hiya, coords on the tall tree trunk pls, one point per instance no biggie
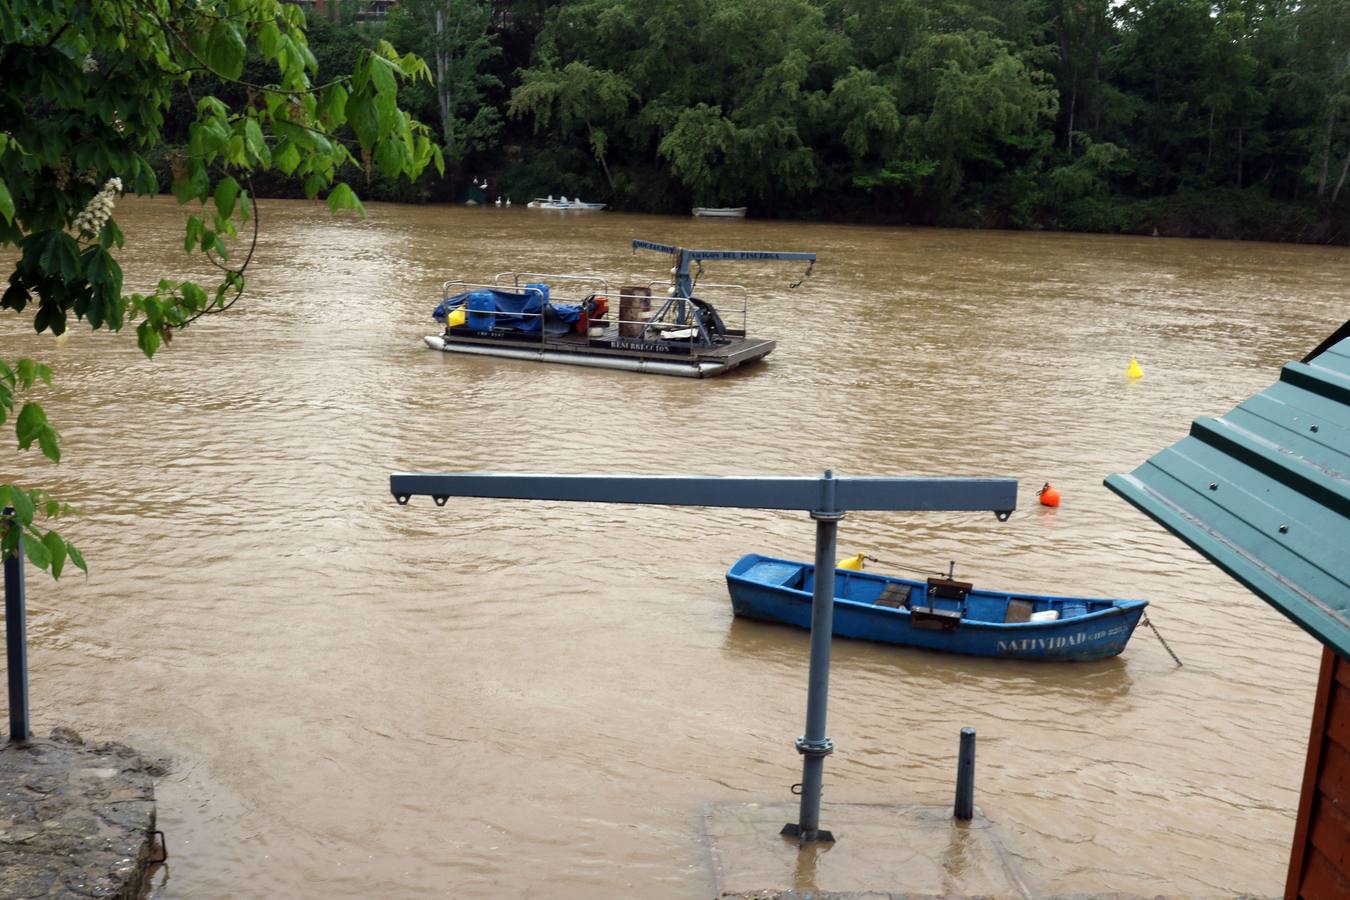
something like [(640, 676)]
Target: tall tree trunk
[(1066, 58), (442, 90), (1239, 160), (603, 165), (1326, 157), (1073, 104), (1096, 107), (1340, 182), (446, 47), (1209, 151)]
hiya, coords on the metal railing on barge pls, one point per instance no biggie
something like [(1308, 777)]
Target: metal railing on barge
[(671, 322)]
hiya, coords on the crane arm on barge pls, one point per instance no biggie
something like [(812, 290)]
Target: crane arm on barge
[(682, 287)]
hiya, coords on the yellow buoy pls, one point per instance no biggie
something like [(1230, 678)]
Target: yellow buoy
[(1134, 371), (853, 563), (456, 317)]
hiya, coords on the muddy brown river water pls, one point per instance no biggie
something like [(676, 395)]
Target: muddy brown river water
[(504, 699)]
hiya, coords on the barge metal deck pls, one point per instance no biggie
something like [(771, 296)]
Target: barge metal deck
[(600, 353), (523, 316)]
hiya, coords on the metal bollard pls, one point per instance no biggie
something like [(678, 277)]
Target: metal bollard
[(965, 776), (16, 641)]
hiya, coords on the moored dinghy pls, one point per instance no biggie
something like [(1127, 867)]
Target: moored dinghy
[(563, 203), (937, 614)]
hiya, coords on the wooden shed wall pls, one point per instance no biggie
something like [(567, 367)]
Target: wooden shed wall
[(1319, 867)]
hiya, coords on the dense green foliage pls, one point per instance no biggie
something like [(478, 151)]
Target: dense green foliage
[(453, 36), (89, 89), (1228, 118)]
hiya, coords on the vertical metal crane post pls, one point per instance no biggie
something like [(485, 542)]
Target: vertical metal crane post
[(683, 280), (827, 499)]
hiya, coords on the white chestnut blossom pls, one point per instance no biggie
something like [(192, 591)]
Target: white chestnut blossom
[(99, 209)]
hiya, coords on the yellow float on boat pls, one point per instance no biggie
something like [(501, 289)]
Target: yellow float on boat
[(854, 563)]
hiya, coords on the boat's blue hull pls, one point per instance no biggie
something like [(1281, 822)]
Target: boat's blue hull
[(777, 590)]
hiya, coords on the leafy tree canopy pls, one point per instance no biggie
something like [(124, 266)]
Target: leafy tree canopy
[(85, 87), (454, 36)]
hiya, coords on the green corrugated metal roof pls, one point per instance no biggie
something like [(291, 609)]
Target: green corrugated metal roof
[(1264, 493)]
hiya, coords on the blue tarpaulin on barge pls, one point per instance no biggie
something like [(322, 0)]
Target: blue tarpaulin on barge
[(514, 310)]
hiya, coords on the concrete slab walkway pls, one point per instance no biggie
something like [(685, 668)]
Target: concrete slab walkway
[(882, 850)]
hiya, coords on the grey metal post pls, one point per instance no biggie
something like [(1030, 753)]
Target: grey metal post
[(16, 640), (825, 498), (965, 776), (814, 745), (684, 284)]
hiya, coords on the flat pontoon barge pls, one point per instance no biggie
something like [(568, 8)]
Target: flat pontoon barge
[(519, 316)]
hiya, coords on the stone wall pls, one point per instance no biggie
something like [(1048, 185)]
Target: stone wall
[(76, 819)]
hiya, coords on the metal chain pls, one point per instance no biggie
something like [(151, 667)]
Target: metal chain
[(798, 283), (921, 571), (1149, 623)]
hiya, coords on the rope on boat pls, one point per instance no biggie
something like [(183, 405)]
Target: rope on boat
[(917, 570), (798, 283), (913, 570), (1149, 623)]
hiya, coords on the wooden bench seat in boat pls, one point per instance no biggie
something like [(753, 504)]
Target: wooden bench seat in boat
[(894, 596), (935, 617)]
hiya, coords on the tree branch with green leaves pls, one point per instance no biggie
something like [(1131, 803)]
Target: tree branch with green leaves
[(85, 87)]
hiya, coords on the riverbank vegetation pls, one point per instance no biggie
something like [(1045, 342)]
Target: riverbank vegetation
[(1226, 119)]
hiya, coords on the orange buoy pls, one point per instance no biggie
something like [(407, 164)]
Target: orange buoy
[(1049, 495)]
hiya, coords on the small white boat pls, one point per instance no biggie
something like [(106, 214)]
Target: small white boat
[(721, 212), (562, 203)]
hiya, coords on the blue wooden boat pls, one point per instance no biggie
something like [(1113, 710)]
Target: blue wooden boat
[(937, 614)]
